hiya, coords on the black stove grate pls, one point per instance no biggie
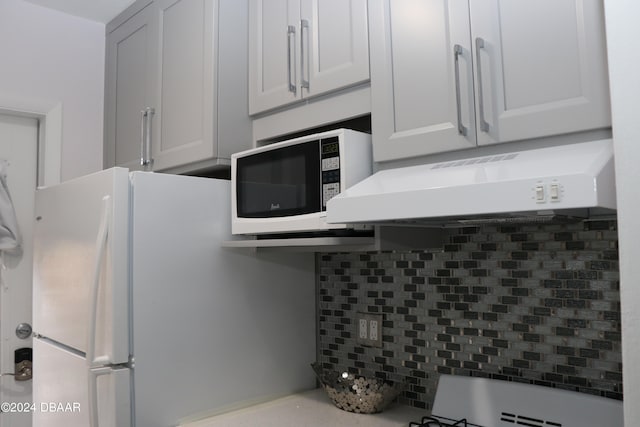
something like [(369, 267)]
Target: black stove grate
[(441, 422)]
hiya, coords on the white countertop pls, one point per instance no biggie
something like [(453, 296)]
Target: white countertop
[(310, 409)]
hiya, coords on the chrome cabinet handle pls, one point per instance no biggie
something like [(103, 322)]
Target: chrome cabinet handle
[(304, 49), (457, 51), (145, 146), (143, 131), (484, 125), (291, 36)]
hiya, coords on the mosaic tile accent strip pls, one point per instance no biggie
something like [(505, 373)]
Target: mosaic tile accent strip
[(529, 303)]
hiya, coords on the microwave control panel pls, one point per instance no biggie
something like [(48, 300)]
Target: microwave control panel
[(330, 157)]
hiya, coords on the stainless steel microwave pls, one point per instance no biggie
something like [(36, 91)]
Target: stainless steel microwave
[(284, 187)]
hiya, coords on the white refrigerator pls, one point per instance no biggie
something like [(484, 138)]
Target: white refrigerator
[(142, 319)]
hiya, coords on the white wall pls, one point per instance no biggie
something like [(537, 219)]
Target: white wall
[(54, 58), (623, 43)]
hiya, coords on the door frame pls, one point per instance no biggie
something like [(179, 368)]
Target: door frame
[(49, 115)]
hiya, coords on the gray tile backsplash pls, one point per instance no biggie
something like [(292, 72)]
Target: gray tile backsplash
[(531, 303)]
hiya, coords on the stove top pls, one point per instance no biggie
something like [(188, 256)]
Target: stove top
[(482, 402)]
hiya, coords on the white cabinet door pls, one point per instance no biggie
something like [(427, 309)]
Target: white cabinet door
[(185, 85), (421, 95), (334, 45), (129, 74), (273, 53), (187, 60), (541, 69), (524, 70), (304, 48)]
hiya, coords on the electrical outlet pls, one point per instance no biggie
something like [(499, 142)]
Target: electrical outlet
[(362, 328), (373, 330), (369, 329)]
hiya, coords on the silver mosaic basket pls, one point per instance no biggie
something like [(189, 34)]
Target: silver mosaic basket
[(356, 393)]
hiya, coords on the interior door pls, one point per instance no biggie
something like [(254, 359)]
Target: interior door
[(81, 245), (61, 393), (18, 151)]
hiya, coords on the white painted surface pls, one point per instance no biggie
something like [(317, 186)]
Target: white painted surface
[(96, 10), (581, 175), (416, 109), (543, 67), (50, 58), (18, 145), (191, 73), (485, 401), (310, 409), (185, 290), (211, 326), (64, 378), (65, 252), (413, 90), (330, 52), (623, 42)]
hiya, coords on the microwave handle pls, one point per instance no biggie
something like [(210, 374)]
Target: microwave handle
[(291, 37)]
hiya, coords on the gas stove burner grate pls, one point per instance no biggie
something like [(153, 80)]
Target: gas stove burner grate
[(440, 422)]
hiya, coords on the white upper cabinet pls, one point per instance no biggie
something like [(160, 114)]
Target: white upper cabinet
[(176, 94), (421, 77), (447, 75), (128, 89), (185, 89), (541, 68), (303, 48)]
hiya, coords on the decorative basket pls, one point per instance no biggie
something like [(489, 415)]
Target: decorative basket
[(356, 393)]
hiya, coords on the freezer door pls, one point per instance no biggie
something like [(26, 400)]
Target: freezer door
[(62, 391), (81, 269)]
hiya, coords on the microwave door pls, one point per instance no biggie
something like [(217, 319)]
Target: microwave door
[(279, 183), (268, 197)]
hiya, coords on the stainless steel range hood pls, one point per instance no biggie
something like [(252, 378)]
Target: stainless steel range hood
[(554, 183)]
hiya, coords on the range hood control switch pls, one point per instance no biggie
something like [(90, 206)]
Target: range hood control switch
[(554, 192), (539, 193)]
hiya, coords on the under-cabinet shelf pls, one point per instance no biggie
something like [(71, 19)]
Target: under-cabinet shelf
[(385, 238)]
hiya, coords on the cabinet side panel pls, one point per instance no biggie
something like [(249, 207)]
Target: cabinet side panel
[(211, 326), (232, 106)]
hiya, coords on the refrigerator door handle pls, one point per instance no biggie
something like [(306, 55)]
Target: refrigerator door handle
[(101, 244), (115, 397), (93, 393)]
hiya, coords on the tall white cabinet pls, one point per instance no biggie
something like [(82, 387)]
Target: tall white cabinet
[(176, 92), (448, 75), (303, 48)]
